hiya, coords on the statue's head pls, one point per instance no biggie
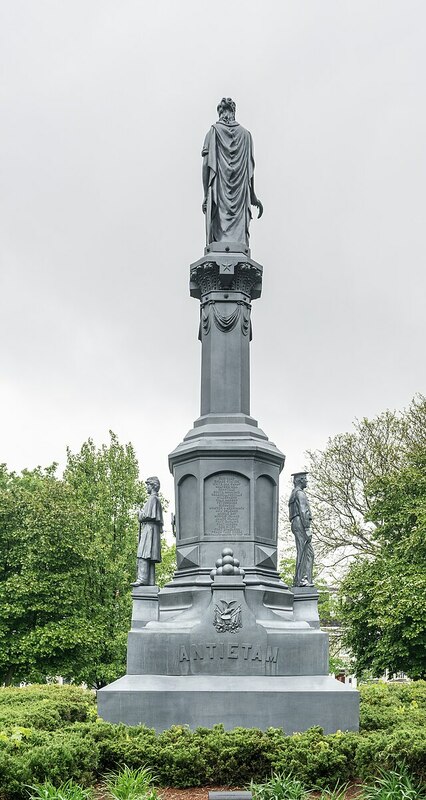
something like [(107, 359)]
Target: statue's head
[(152, 484), (300, 480), (226, 109)]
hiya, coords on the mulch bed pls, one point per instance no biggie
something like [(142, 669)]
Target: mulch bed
[(201, 792)]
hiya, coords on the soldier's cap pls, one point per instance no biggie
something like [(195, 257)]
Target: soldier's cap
[(296, 474)]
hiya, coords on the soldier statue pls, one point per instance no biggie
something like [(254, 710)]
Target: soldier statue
[(228, 178), (150, 530), (300, 518)]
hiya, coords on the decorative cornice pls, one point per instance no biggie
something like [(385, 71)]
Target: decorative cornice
[(226, 273)]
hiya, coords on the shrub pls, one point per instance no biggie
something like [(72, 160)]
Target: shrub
[(387, 706), (48, 734), (315, 758), (383, 751), (45, 707), (55, 757)]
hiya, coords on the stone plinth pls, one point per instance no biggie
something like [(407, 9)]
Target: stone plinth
[(305, 605), (291, 703), (145, 607)]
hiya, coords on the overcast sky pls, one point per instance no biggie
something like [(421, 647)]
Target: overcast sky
[(105, 106)]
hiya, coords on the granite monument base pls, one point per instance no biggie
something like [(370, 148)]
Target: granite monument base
[(291, 703), (231, 654)]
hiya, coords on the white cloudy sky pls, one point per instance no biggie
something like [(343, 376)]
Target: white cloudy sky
[(104, 110)]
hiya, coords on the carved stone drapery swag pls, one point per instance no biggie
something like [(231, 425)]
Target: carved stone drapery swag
[(225, 322)]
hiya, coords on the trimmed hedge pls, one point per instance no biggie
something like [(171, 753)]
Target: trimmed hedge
[(60, 741), (45, 707), (386, 706)]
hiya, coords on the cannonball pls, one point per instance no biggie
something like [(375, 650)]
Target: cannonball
[(219, 562), (237, 570), (236, 562), (228, 569), (219, 571), (227, 551), (212, 574), (227, 560), (242, 573)]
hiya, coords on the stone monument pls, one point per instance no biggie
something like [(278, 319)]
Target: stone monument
[(227, 641), (301, 518), (150, 530)]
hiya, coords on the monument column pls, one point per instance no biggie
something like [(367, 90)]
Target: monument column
[(225, 284), (226, 470)]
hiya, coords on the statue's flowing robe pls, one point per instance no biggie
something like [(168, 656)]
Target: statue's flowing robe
[(300, 518), (228, 153), (151, 527)]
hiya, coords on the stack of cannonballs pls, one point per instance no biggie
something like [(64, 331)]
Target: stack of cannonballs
[(227, 564)]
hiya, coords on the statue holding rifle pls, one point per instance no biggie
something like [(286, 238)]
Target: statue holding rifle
[(301, 518)]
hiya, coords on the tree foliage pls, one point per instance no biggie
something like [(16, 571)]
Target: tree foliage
[(338, 480), (384, 599), (43, 563), (67, 557), (340, 477), (367, 491)]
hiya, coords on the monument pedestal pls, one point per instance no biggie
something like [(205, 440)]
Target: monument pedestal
[(232, 653), (242, 652), (293, 703), (305, 605), (145, 606)]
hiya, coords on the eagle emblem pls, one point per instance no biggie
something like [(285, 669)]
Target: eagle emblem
[(228, 618)]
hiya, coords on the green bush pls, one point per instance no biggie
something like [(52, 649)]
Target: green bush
[(45, 707), (386, 706), (315, 758), (56, 756), (386, 751), (181, 758), (49, 734)]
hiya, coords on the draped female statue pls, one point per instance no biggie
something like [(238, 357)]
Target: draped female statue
[(228, 178)]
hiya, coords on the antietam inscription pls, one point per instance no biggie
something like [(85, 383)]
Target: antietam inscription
[(227, 505), (223, 650)]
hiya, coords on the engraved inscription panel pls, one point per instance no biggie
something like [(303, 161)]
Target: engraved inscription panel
[(226, 506)]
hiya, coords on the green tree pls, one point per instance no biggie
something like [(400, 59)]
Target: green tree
[(338, 480), (367, 494), (340, 477), (105, 482), (165, 570), (43, 565), (383, 603), (67, 557)]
